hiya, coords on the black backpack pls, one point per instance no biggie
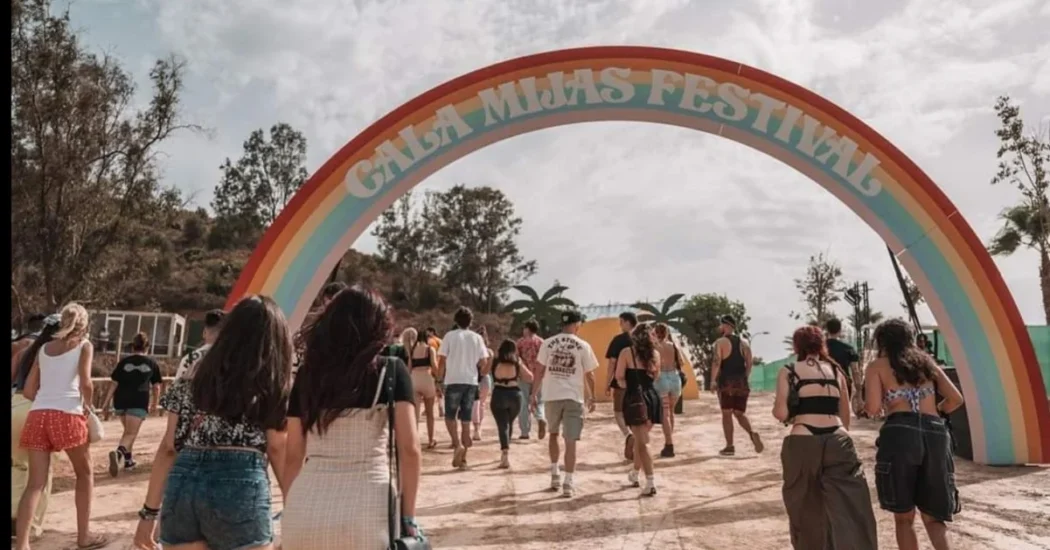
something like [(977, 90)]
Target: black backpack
[(792, 396)]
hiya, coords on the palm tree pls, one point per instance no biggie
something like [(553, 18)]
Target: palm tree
[(545, 309), (666, 314), (1027, 225)]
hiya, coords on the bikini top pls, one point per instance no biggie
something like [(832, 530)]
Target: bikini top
[(913, 395), (506, 381), (814, 404), (421, 361)]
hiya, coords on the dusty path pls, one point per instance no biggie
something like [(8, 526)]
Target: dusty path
[(704, 501)]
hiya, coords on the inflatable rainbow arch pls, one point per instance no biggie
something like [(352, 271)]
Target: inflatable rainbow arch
[(1001, 380)]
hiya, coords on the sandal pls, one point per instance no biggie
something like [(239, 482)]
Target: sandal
[(757, 441), (432, 445), (94, 543), (728, 451)]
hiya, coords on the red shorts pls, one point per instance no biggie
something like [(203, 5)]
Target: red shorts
[(733, 394), (53, 431)]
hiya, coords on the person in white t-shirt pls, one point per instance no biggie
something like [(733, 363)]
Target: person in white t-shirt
[(212, 323), (462, 358), (565, 377)]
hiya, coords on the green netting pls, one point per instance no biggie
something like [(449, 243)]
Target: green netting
[(764, 377), (1040, 336)]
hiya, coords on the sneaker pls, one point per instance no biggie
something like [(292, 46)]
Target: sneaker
[(650, 489), (542, 432), (523, 436), (632, 478), (568, 490), (728, 451), (555, 482), (504, 461), (757, 441), (115, 458), (668, 451), (130, 464)]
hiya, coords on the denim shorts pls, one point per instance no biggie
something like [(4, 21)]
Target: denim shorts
[(668, 383), (459, 401), (137, 413), (219, 497), (914, 467)]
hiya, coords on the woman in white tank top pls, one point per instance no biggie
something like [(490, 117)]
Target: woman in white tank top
[(59, 385)]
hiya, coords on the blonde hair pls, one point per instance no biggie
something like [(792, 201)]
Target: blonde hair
[(408, 338), (74, 322)]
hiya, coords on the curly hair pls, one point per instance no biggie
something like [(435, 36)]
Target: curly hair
[(644, 347), (895, 340), (809, 343)]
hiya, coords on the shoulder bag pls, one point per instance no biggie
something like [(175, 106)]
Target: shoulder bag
[(397, 542)]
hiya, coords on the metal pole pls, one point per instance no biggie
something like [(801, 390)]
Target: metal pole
[(914, 317)]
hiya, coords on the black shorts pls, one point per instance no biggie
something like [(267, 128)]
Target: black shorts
[(914, 467)]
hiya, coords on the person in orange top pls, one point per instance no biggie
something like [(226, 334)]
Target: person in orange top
[(439, 373)]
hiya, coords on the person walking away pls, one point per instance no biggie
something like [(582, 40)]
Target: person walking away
[(528, 348), (59, 385), (337, 467), (508, 374), (849, 362), (565, 377), (439, 376), (462, 358), (215, 494), (669, 384), (484, 386), (914, 467), (423, 361), (40, 332), (825, 492), (620, 342), (637, 368), (135, 379), (212, 323), (730, 369)]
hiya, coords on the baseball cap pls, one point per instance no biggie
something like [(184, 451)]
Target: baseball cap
[(570, 317), (728, 320)]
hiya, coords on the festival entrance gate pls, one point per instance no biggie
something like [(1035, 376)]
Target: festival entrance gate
[(1001, 380)]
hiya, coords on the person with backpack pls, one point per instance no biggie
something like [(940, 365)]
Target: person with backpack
[(669, 384), (825, 493)]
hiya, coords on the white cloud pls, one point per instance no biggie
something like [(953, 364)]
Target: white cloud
[(625, 211)]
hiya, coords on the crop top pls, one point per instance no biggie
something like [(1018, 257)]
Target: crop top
[(506, 381), (195, 428)]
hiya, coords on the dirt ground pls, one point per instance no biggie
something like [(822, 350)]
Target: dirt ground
[(704, 501)]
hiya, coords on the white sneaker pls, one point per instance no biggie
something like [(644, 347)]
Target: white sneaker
[(555, 482), (650, 489), (568, 490), (632, 478)]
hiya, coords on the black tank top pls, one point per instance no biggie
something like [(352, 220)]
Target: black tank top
[(733, 366), (636, 376), (505, 381), (817, 404)]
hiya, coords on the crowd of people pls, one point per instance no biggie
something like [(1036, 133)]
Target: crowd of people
[(333, 411)]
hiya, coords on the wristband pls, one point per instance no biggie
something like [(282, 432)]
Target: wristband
[(148, 514)]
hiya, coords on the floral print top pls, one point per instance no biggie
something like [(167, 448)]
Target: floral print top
[(529, 349), (197, 429)]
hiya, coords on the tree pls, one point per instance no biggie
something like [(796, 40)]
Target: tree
[(84, 187), (402, 233), (544, 309), (820, 289), (1023, 160), (666, 314), (254, 190), (474, 231), (859, 319), (700, 316)]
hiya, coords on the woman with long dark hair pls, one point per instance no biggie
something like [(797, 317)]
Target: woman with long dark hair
[(225, 428), (20, 407), (59, 385), (135, 378), (507, 370), (636, 370), (914, 467), (339, 433), (825, 493), (423, 360)]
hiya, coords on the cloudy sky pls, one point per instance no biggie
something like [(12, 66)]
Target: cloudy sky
[(623, 211)]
